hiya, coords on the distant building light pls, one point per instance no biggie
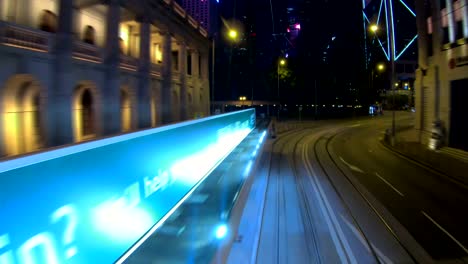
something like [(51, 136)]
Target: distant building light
[(288, 30)]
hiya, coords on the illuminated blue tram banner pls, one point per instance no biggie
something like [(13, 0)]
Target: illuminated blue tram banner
[(91, 202)]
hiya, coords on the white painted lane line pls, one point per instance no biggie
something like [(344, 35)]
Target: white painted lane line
[(355, 125), (382, 257), (389, 184), (342, 245), (352, 167), (445, 231)]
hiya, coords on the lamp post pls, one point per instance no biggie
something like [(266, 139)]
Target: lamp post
[(281, 62), (242, 99), (380, 68), (212, 73), (374, 28), (232, 35)]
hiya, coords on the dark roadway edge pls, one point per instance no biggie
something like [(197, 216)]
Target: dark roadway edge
[(423, 164), (385, 213), (396, 229)]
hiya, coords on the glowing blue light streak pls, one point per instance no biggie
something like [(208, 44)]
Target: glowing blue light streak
[(407, 7), (262, 137), (393, 29), (221, 231), (380, 11), (384, 51), (365, 16), (388, 35), (163, 220), (62, 152), (406, 47), (248, 168), (112, 204), (254, 153), (365, 38)]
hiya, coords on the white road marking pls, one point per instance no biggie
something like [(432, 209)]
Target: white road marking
[(358, 234), (339, 239), (445, 231), (389, 184), (352, 167), (355, 125)]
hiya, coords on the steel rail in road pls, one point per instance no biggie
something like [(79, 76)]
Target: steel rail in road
[(328, 139)]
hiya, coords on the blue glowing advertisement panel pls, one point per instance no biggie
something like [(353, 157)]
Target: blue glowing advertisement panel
[(91, 202)]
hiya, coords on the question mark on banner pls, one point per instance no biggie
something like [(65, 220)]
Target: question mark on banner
[(68, 236)]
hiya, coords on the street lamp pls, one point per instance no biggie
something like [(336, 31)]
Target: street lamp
[(374, 28), (380, 67), (232, 35), (281, 62)]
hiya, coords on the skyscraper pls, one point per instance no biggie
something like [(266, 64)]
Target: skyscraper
[(199, 10)]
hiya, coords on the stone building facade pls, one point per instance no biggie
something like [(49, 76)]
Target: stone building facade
[(442, 76), (77, 70)]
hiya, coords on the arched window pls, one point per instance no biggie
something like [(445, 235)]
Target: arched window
[(87, 115), (22, 116), (89, 35), (190, 106), (121, 45), (125, 111), (175, 108), (154, 107), (48, 21)]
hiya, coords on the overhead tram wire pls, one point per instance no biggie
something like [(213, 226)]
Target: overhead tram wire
[(272, 19)]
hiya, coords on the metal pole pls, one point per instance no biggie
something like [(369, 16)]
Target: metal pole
[(212, 74), (279, 102), (392, 60), (315, 91)]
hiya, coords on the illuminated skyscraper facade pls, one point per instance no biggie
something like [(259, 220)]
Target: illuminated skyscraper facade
[(200, 10)]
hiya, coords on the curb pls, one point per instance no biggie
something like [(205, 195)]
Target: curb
[(423, 164)]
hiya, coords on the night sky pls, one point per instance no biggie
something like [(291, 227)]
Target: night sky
[(326, 61)]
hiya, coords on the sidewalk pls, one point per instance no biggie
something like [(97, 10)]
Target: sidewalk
[(446, 161)]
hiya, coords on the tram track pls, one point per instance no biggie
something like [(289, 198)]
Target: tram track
[(288, 142), (322, 205)]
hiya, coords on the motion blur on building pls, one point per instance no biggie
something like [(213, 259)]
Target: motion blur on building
[(442, 76), (76, 70)]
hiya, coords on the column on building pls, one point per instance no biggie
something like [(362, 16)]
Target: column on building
[(422, 61), (166, 84), (183, 80), (436, 46), (19, 11), (436, 26), (452, 25), (205, 87), (144, 82), (195, 82), (195, 71), (111, 91), (59, 123), (463, 4)]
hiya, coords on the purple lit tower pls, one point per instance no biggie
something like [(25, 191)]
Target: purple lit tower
[(199, 10)]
